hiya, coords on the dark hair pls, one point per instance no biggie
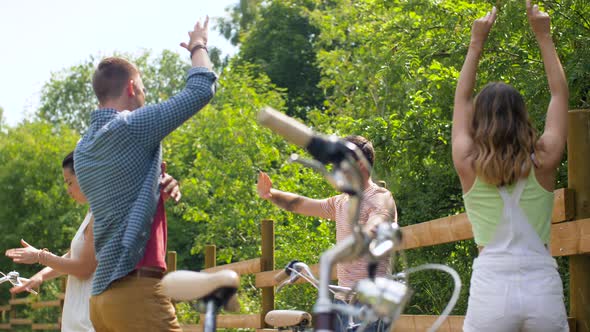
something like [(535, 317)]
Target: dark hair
[(111, 76), (68, 162), (365, 145), (503, 135)]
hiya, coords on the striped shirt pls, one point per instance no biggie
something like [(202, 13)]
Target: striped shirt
[(377, 201), (118, 168)]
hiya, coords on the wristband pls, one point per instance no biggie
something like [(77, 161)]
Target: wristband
[(198, 46)]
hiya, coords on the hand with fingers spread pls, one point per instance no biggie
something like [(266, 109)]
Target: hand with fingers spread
[(198, 36), (25, 255), (169, 186), (538, 20), (481, 28), (264, 185)]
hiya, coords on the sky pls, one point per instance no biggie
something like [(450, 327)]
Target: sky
[(38, 37)]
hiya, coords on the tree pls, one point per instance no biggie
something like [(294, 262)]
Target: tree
[(34, 204), (279, 37), (2, 118)]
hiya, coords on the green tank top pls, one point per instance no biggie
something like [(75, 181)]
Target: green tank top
[(484, 208)]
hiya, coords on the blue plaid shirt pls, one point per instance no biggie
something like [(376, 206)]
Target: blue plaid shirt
[(118, 167)]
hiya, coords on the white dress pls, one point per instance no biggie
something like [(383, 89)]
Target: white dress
[(76, 311)]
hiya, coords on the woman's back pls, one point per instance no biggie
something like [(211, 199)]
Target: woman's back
[(484, 206)]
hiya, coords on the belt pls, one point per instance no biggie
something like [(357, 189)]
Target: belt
[(146, 273)]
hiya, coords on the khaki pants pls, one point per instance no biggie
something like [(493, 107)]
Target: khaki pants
[(133, 304)]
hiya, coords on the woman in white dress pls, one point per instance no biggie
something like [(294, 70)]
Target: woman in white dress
[(78, 263)]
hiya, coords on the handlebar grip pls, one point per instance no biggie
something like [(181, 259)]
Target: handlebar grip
[(291, 129), (281, 276)]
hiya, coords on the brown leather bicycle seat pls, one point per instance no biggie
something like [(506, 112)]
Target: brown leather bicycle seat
[(286, 318), (191, 285)]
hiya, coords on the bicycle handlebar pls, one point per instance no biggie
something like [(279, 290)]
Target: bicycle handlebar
[(291, 129), (326, 149)]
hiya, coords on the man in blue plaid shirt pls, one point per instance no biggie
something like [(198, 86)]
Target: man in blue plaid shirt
[(118, 166)]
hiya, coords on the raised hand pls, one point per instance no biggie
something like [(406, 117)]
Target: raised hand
[(25, 255), (264, 186), (481, 28), (198, 36), (538, 20)]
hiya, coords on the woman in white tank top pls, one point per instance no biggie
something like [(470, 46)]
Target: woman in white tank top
[(79, 263)]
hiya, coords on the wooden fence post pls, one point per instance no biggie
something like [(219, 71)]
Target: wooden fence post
[(171, 261), (267, 262), (210, 256), (578, 156)]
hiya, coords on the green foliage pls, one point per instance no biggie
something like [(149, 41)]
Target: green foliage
[(281, 43), (1, 118)]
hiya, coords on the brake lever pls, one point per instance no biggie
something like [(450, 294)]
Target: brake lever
[(14, 278), (337, 178), (388, 236)]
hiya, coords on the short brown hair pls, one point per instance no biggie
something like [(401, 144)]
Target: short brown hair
[(364, 145), (111, 76)]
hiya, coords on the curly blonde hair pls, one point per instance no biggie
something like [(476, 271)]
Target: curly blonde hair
[(503, 135)]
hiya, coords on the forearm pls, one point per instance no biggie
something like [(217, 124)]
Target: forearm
[(285, 200), (63, 265), (467, 77), (200, 58), (150, 124), (48, 273), (463, 110), (553, 68)]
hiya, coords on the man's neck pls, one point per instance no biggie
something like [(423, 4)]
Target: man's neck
[(115, 105)]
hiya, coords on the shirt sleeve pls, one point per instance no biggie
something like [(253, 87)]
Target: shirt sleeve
[(384, 205), (328, 206), (150, 124)]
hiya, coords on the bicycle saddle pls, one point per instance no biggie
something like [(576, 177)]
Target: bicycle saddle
[(190, 285), (288, 318)]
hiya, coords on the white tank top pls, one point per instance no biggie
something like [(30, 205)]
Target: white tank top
[(76, 310)]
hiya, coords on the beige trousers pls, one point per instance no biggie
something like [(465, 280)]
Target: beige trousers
[(133, 304)]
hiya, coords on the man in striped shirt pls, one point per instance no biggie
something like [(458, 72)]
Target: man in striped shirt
[(377, 205), (118, 163)]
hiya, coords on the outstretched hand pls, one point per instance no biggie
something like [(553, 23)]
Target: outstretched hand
[(482, 26), (25, 255), (198, 36), (27, 285), (264, 185), (538, 20)]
